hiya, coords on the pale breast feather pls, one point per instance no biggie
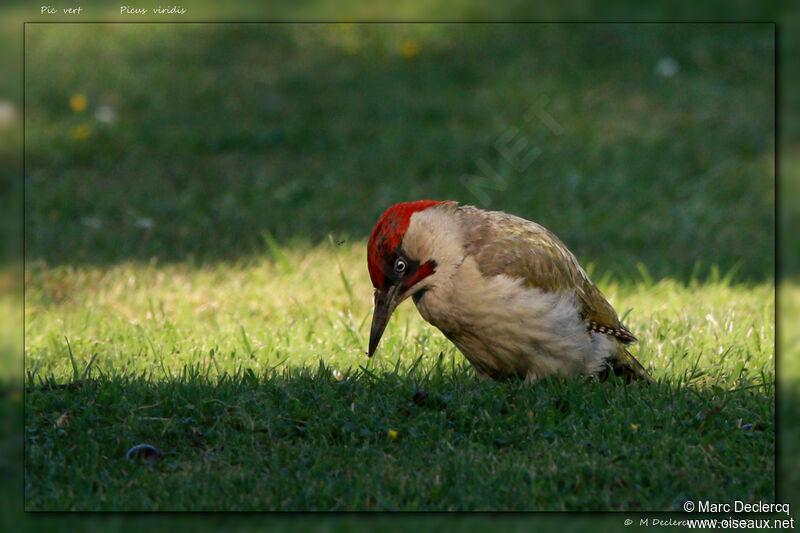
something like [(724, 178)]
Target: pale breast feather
[(506, 244)]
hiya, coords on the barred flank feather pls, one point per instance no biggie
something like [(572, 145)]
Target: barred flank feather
[(620, 332)]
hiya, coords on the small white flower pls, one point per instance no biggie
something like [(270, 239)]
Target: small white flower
[(144, 223), (8, 114), (667, 67), (105, 114), (92, 222)]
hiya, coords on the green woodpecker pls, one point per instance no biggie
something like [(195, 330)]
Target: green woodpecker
[(506, 291)]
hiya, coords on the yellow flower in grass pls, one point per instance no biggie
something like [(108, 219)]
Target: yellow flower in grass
[(78, 103), (82, 132), (349, 38), (409, 48), (392, 434)]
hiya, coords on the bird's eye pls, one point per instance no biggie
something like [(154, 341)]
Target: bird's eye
[(400, 265)]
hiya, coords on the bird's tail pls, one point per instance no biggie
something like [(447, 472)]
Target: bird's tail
[(625, 365)]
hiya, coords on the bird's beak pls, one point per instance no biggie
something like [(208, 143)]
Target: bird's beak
[(385, 303)]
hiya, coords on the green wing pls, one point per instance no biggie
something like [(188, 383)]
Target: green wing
[(510, 245)]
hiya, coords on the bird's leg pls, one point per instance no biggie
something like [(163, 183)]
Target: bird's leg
[(531, 378), (482, 376)]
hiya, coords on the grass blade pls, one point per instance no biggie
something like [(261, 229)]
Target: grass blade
[(75, 374), (347, 287)]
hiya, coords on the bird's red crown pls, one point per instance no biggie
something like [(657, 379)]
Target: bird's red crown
[(387, 236)]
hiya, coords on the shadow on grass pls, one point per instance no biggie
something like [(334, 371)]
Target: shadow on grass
[(315, 440), (646, 144)]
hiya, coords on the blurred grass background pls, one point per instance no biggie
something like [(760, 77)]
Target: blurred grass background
[(619, 126), (661, 152)]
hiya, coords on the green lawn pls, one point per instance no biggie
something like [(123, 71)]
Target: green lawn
[(306, 130), (253, 382), (182, 289)]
